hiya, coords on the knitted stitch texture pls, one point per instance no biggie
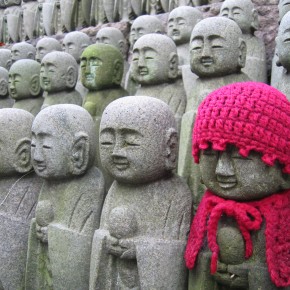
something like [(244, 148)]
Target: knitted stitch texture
[(274, 209), (249, 115)]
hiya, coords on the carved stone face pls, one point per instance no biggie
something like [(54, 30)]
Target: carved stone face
[(19, 83), (46, 45), (231, 176), (22, 50), (241, 11), (214, 47), (181, 22)]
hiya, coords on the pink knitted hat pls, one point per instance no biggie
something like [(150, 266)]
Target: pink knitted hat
[(249, 115)]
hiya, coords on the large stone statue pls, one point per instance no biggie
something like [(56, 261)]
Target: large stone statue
[(5, 58), (74, 43), (217, 55), (155, 68), (282, 50), (239, 237), (58, 78), (245, 15), (46, 45), (146, 214), (22, 50), (5, 100), (69, 207), (19, 188), (24, 86)]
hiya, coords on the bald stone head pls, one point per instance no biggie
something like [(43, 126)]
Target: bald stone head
[(101, 67), (75, 42), (4, 76), (46, 45), (22, 50), (154, 60), (5, 58), (143, 25), (15, 137), (283, 7), (181, 21), (243, 13), (138, 139), (63, 142), (24, 79), (217, 48), (113, 36), (59, 72)]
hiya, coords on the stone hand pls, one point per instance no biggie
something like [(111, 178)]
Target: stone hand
[(41, 233), (129, 248)]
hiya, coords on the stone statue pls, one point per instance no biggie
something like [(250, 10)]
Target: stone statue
[(22, 50), (181, 21), (5, 100), (282, 50), (113, 36), (245, 15), (24, 86), (155, 68), (51, 17), (217, 55), (12, 17), (69, 207), (146, 214), (241, 141), (2, 27), (74, 43), (58, 78), (31, 19), (5, 58), (46, 45), (19, 193)]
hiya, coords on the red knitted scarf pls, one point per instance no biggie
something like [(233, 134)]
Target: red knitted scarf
[(275, 209)]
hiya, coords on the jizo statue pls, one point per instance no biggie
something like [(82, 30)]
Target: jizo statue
[(22, 50), (46, 45), (5, 100), (5, 58)]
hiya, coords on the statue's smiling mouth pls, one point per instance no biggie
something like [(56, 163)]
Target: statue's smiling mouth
[(226, 182), (176, 33), (208, 61), (40, 167), (143, 71)]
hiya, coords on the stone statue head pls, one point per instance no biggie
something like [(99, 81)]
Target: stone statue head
[(63, 142), (138, 140), (15, 127), (75, 43), (22, 50), (181, 21), (154, 60), (12, 2), (143, 25), (283, 7), (46, 45), (2, 5), (113, 36), (217, 48), (282, 42), (58, 72), (241, 140), (24, 79), (243, 13), (4, 78), (101, 67), (5, 58)]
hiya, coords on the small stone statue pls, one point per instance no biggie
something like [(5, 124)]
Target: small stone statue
[(282, 50), (217, 55), (58, 78), (69, 207), (245, 15), (146, 214), (5, 100), (181, 21), (24, 86), (46, 45), (239, 237), (22, 50), (19, 188), (155, 68), (5, 58), (51, 17)]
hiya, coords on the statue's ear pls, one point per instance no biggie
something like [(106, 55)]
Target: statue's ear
[(122, 46), (173, 66), (22, 162), (242, 53), (71, 77), (171, 149), (80, 153), (8, 64), (255, 21), (118, 72), (34, 87), (3, 87)]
